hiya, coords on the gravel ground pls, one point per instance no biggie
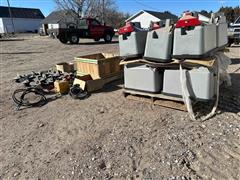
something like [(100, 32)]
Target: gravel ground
[(107, 136)]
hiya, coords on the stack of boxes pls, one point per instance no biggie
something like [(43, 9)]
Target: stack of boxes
[(188, 38)]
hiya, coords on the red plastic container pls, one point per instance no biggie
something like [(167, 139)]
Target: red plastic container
[(188, 20), (128, 28), (155, 26)]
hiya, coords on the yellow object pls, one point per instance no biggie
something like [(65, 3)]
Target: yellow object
[(61, 87)]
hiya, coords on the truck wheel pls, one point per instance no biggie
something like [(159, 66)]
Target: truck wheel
[(236, 42), (63, 39), (230, 41), (74, 39), (108, 38)]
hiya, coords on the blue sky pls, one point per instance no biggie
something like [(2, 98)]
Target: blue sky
[(132, 6)]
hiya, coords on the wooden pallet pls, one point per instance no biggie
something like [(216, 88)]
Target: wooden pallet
[(156, 99)]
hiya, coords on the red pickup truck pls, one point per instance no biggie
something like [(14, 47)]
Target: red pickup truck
[(84, 28)]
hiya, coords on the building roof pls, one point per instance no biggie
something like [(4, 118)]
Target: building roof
[(54, 17), (159, 15), (57, 16), (27, 13)]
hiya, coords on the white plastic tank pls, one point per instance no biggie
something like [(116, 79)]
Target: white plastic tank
[(200, 83), (194, 39), (159, 44), (143, 78), (132, 45), (132, 40)]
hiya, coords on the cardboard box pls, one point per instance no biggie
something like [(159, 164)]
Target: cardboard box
[(88, 83), (99, 65), (65, 67)]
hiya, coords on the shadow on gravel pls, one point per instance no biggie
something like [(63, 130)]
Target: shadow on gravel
[(22, 53), (12, 40), (229, 99), (235, 61), (97, 43), (114, 86)]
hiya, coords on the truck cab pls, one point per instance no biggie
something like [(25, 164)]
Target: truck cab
[(84, 28), (96, 29), (234, 32)]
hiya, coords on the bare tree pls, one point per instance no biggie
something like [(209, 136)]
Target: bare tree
[(76, 6), (116, 18), (105, 10), (81, 8)]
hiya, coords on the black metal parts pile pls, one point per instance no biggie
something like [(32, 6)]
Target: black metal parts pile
[(45, 79), (37, 85)]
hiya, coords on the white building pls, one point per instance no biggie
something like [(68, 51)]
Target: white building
[(24, 20), (145, 17)]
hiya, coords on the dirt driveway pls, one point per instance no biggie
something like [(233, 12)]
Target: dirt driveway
[(107, 136)]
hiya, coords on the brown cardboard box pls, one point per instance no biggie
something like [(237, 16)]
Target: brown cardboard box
[(88, 83), (65, 67)]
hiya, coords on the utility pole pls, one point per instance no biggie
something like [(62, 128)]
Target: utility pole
[(103, 11), (10, 13)]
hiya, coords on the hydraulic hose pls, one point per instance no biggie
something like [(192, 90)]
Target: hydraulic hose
[(22, 100)]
